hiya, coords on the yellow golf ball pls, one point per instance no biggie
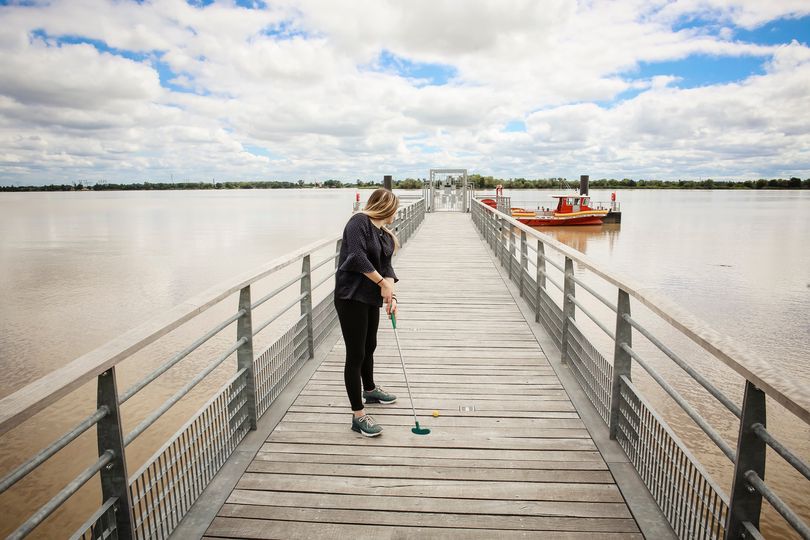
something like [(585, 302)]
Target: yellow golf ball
[(435, 414)]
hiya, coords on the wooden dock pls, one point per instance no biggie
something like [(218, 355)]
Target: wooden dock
[(508, 455)]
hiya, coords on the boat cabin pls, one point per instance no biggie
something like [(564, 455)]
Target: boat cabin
[(567, 204)]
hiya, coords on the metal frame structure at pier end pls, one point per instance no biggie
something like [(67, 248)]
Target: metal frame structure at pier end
[(448, 190)]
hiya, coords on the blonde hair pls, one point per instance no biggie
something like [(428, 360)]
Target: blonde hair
[(382, 205)]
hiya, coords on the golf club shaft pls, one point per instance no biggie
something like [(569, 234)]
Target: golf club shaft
[(405, 372)]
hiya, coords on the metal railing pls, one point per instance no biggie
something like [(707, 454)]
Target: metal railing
[(695, 505), (152, 501)]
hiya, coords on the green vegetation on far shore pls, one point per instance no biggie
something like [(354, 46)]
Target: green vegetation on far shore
[(480, 182)]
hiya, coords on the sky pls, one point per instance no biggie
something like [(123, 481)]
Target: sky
[(173, 90)]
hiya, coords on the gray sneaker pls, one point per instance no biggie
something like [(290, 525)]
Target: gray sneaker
[(378, 395), (366, 426)]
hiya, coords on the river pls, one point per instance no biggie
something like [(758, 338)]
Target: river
[(77, 269)]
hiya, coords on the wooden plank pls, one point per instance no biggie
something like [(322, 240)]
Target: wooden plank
[(387, 470), (457, 433), (415, 487), (444, 420), (224, 527), (430, 519), (433, 452), (454, 411), (437, 439), (374, 459), (503, 406)]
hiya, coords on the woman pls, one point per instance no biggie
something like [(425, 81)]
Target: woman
[(364, 280)]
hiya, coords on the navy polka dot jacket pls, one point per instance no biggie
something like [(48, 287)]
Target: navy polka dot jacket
[(365, 248)]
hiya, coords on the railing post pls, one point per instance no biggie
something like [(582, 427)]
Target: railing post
[(306, 303), (568, 308), (745, 502), (512, 249), (501, 241), (540, 278), (621, 359), (114, 477), (524, 259), (244, 354)]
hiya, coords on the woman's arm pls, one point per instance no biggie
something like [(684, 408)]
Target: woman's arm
[(386, 287)]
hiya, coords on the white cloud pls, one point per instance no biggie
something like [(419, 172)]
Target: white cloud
[(303, 82)]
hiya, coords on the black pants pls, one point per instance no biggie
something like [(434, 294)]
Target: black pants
[(358, 322)]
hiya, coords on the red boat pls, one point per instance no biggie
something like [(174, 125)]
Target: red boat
[(571, 210)]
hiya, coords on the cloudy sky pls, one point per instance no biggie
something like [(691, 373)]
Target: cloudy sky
[(124, 91)]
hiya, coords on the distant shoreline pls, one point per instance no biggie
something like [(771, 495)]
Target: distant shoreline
[(481, 183)]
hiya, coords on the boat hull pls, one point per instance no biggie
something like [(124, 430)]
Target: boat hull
[(557, 221)]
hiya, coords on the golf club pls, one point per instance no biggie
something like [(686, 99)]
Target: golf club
[(417, 430)]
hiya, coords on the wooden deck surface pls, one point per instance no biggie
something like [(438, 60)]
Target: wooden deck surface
[(507, 457)]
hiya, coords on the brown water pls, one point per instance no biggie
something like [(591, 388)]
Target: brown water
[(77, 269)]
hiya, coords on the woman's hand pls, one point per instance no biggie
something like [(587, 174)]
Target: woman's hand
[(391, 308)]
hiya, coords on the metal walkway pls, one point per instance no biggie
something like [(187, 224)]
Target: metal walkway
[(508, 455)]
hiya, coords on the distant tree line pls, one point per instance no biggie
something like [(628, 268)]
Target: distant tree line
[(488, 182), (480, 182)]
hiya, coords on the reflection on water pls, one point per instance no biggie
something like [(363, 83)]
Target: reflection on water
[(578, 237)]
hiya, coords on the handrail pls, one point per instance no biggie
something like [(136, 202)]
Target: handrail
[(664, 463), (29, 400), (767, 378)]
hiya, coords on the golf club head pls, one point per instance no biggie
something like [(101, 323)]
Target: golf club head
[(420, 430)]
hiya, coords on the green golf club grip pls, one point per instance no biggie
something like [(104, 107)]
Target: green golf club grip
[(394, 320)]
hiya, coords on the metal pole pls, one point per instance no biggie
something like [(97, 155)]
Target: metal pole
[(244, 354), (621, 358), (583, 184), (465, 191), (745, 503), (568, 308), (524, 259), (114, 476), (388, 182), (306, 302), (512, 249), (540, 278)]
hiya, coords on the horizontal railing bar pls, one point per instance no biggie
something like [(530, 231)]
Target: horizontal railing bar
[(48, 508), (277, 290), (26, 468), (595, 294), (559, 267), (323, 262), (674, 436), (94, 518), (750, 529), (32, 398), (325, 279), (686, 367), (687, 408), (780, 449), (279, 313), (778, 504), (552, 281), (774, 382), (137, 387), (182, 392), (593, 319)]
